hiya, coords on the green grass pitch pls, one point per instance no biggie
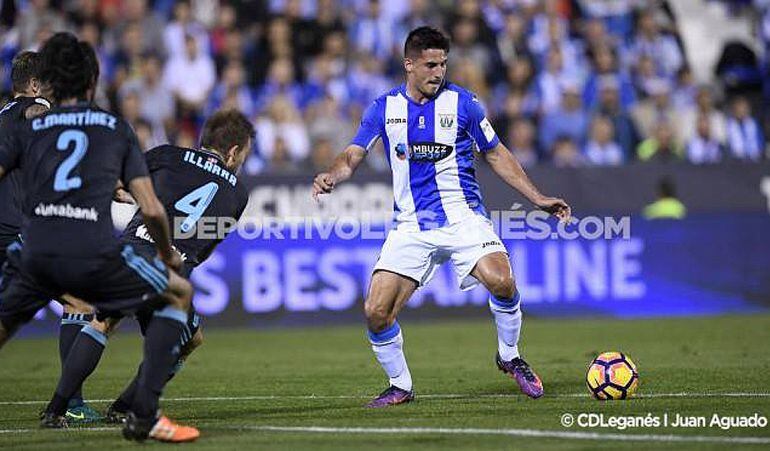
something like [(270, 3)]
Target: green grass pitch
[(269, 389)]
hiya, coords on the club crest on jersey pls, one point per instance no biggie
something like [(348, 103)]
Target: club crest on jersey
[(446, 121), (421, 121), (423, 151)]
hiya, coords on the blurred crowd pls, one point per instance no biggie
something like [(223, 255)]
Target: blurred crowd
[(565, 82)]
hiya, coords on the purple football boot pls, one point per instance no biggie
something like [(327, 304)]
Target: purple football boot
[(391, 397), (522, 373)]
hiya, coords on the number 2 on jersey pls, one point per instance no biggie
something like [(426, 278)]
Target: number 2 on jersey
[(62, 181), (195, 203)]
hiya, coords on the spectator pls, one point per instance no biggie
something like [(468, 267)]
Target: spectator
[(512, 43), (156, 100), (190, 76), (703, 147), (372, 33), (183, 27), (566, 154), (326, 21), (466, 48), (280, 82), (366, 79), (549, 82), (651, 111), (686, 91), (326, 122), (569, 121), (661, 146), (471, 77), (519, 77), (601, 149), (233, 85), (226, 21), (521, 142), (744, 135), (149, 23), (616, 15), (595, 36), (323, 81), (128, 59), (281, 136), (38, 21), (704, 106), (605, 67), (420, 13), (662, 49), (626, 134), (645, 76)]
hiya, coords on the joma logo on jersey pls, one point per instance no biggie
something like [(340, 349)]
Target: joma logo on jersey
[(446, 120), (423, 151), (395, 120)]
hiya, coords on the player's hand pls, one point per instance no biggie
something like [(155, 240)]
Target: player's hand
[(555, 206), (322, 184), (173, 261), (122, 196)]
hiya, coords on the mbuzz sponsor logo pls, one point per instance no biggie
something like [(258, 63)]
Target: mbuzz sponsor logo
[(67, 211), (423, 151)]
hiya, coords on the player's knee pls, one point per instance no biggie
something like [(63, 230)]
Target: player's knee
[(102, 326), (377, 316), (181, 292), (501, 286)]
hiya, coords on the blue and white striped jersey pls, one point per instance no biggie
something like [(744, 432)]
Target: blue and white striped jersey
[(430, 150)]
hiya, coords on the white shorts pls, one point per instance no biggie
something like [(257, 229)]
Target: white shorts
[(418, 255)]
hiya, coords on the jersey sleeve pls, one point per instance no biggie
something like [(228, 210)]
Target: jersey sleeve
[(372, 126), (156, 158), (479, 128), (134, 165)]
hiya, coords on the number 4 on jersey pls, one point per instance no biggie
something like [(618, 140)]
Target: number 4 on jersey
[(195, 203)]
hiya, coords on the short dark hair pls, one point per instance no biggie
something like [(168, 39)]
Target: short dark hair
[(25, 66), (225, 129), (68, 66), (424, 38)]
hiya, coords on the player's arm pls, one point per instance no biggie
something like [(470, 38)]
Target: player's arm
[(121, 195), (154, 218), (507, 167), (341, 169), (137, 178)]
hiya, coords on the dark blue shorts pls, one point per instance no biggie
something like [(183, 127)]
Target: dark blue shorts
[(123, 282)]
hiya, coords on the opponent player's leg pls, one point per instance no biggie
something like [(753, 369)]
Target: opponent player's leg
[(494, 272), (388, 293)]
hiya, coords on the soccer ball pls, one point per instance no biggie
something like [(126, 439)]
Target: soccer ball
[(612, 375)]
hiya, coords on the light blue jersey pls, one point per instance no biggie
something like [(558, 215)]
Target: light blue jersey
[(430, 150)]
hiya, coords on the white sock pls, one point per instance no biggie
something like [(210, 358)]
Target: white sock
[(507, 315), (388, 348)]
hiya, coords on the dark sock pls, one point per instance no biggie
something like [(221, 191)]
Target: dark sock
[(71, 323), (161, 352), (82, 361), (123, 403)]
